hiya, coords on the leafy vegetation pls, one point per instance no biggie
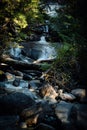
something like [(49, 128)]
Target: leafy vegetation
[(70, 26), (19, 19)]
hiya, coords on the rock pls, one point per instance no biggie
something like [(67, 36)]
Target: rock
[(34, 84), (51, 100), (27, 77), (35, 113), (36, 108), (9, 76), (23, 88), (67, 96), (9, 88), (66, 112), (18, 73), (7, 120), (40, 113), (48, 91), (15, 103), (23, 84), (81, 119), (23, 125), (43, 126), (32, 120), (80, 93), (16, 82)]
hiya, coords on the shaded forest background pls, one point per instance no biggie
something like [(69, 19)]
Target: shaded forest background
[(19, 18)]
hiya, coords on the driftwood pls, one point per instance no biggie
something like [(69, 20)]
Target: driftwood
[(19, 64)]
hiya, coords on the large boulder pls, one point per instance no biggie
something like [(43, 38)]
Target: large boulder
[(81, 116), (14, 103), (40, 112), (48, 91), (67, 113)]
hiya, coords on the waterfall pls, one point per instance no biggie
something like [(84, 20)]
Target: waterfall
[(48, 52), (43, 40), (15, 52), (51, 10)]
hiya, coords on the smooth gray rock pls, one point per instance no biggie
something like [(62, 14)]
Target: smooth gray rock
[(66, 112), (81, 93)]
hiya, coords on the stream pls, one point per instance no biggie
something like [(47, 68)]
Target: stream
[(39, 50), (27, 101)]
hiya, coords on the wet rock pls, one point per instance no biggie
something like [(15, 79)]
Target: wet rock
[(43, 126), (9, 76), (48, 91), (18, 74), (27, 77), (66, 112), (23, 88), (23, 84), (15, 103), (9, 88), (34, 84), (16, 82)]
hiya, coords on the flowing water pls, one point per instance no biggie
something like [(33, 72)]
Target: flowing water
[(40, 50), (48, 51), (51, 9)]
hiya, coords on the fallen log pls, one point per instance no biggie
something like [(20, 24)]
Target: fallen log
[(19, 64)]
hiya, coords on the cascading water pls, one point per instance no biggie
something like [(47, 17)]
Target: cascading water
[(48, 52), (43, 40), (15, 52), (51, 9)]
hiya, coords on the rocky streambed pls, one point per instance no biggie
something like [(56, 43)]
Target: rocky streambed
[(28, 102)]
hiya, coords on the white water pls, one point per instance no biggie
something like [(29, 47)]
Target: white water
[(48, 51), (51, 10), (43, 40), (15, 52)]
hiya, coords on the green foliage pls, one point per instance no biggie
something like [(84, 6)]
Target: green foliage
[(17, 15), (45, 66)]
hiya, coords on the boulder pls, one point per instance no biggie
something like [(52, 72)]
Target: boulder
[(40, 112), (66, 112), (9, 76), (14, 103), (80, 93), (48, 91), (81, 119), (67, 96), (34, 84)]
